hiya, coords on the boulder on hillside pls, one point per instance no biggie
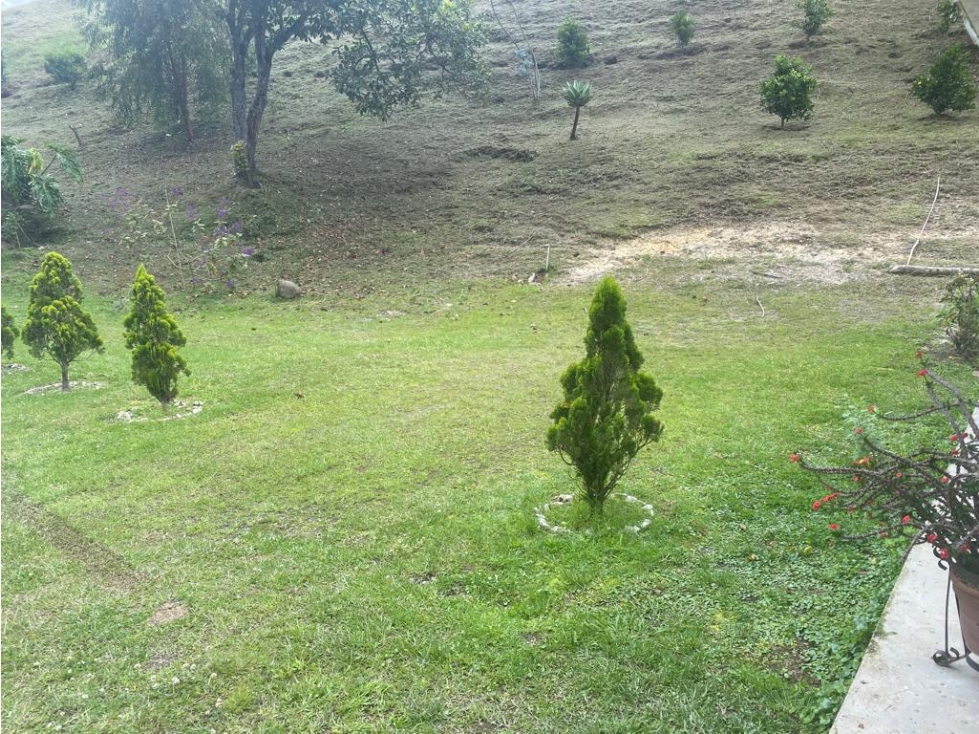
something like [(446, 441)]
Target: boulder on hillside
[(287, 289)]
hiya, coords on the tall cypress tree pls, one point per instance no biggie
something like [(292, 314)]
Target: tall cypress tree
[(57, 324), (153, 336), (606, 415)]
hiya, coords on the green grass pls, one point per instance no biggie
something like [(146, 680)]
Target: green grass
[(349, 523)]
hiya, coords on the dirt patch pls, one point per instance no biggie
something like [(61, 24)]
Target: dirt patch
[(167, 612), (111, 568), (797, 252)]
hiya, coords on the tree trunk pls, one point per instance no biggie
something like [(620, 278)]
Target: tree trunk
[(181, 90), (65, 385), (263, 60), (240, 41), (574, 127)]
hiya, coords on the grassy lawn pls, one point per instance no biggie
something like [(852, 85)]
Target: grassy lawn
[(347, 526), (343, 539)]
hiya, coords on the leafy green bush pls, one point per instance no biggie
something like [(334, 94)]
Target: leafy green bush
[(947, 86), (788, 91), (153, 336), (814, 14), (949, 14), (9, 330), (31, 196), (606, 415), (683, 28), (577, 94), (960, 315), (65, 67), (56, 323), (572, 44)]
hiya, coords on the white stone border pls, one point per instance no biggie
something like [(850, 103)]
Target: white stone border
[(56, 387), (566, 499), (130, 415)]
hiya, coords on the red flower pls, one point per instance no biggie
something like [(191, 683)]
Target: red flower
[(954, 438), (922, 373), (919, 354), (943, 553), (932, 537), (906, 520), (898, 475), (794, 457), (944, 479), (964, 547), (833, 526), (832, 496), (859, 430), (816, 505)]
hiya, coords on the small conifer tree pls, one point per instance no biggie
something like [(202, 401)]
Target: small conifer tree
[(683, 28), (788, 91), (10, 332), (815, 13), (606, 415), (57, 324), (948, 85), (572, 44), (153, 336)]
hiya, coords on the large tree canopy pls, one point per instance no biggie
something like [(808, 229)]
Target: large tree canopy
[(388, 52), (167, 59)]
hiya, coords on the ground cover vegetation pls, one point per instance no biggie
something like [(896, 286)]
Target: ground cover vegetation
[(343, 538)]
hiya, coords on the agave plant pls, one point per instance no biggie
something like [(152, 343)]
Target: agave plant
[(577, 94)]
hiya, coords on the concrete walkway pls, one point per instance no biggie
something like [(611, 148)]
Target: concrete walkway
[(898, 689)]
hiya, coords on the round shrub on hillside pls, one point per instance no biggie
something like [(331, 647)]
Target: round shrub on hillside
[(788, 91), (948, 85)]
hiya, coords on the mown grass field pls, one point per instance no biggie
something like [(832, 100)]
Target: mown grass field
[(343, 539)]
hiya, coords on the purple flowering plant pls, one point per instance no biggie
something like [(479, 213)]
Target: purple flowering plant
[(205, 250)]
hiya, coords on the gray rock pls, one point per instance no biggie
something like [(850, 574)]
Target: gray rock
[(287, 289)]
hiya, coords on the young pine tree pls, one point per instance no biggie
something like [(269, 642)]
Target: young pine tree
[(683, 28), (57, 324), (10, 332), (606, 415), (153, 336)]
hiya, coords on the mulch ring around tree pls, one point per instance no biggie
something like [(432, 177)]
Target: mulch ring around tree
[(55, 387), (153, 412), (555, 516)]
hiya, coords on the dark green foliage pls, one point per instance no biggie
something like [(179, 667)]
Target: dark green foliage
[(31, 196), (9, 330), (153, 336), (948, 85), (389, 51), (683, 28), (65, 67), (606, 415), (572, 44), (167, 61), (56, 323), (949, 15), (814, 14), (788, 91), (960, 316), (577, 94)]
